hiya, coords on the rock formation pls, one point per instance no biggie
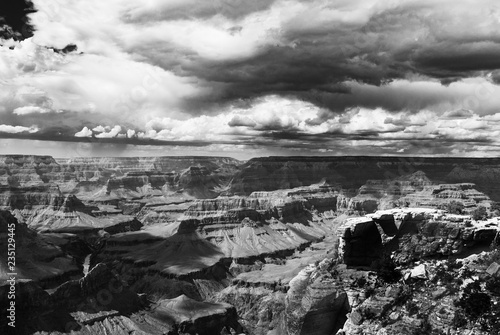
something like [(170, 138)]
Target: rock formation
[(100, 303), (272, 173), (276, 245), (413, 233), (36, 256)]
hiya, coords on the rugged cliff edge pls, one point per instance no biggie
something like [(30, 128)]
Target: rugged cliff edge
[(413, 234)]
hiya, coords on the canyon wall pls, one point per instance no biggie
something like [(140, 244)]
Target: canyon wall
[(272, 173), (213, 245)]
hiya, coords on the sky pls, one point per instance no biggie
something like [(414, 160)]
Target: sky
[(250, 78)]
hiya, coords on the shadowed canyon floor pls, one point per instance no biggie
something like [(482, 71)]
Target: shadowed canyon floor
[(276, 245)]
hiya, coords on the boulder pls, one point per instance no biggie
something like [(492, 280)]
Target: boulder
[(493, 269), (419, 272)]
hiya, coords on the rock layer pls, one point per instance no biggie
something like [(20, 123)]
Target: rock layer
[(272, 173)]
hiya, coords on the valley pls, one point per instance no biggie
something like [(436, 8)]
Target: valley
[(269, 246)]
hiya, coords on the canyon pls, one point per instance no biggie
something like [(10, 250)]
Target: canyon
[(273, 245)]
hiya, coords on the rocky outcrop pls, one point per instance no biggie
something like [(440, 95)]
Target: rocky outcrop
[(311, 301), (454, 296), (316, 302), (412, 233), (259, 290), (361, 242), (195, 317), (386, 193), (36, 257)]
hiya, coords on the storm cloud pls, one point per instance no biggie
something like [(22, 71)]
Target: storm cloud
[(325, 77)]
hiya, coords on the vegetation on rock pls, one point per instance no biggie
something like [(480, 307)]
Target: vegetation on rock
[(480, 213)]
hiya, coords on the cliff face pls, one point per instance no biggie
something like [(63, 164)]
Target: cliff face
[(21, 197), (37, 258), (161, 164), (290, 298), (195, 181), (412, 234), (272, 173), (216, 239), (291, 204), (316, 302), (89, 175), (259, 174), (18, 170), (412, 190), (99, 303), (38, 188), (200, 177), (437, 196)]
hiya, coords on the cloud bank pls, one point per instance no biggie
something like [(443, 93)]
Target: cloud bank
[(333, 77)]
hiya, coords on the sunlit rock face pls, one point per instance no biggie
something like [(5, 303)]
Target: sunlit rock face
[(287, 300), (265, 222), (197, 175), (438, 196), (195, 181), (387, 193), (315, 303), (44, 208), (200, 176), (195, 317), (195, 251), (47, 193)]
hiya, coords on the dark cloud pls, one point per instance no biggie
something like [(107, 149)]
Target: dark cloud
[(235, 67), (313, 63), (241, 121), (14, 21), (459, 114), (448, 59), (194, 9)]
